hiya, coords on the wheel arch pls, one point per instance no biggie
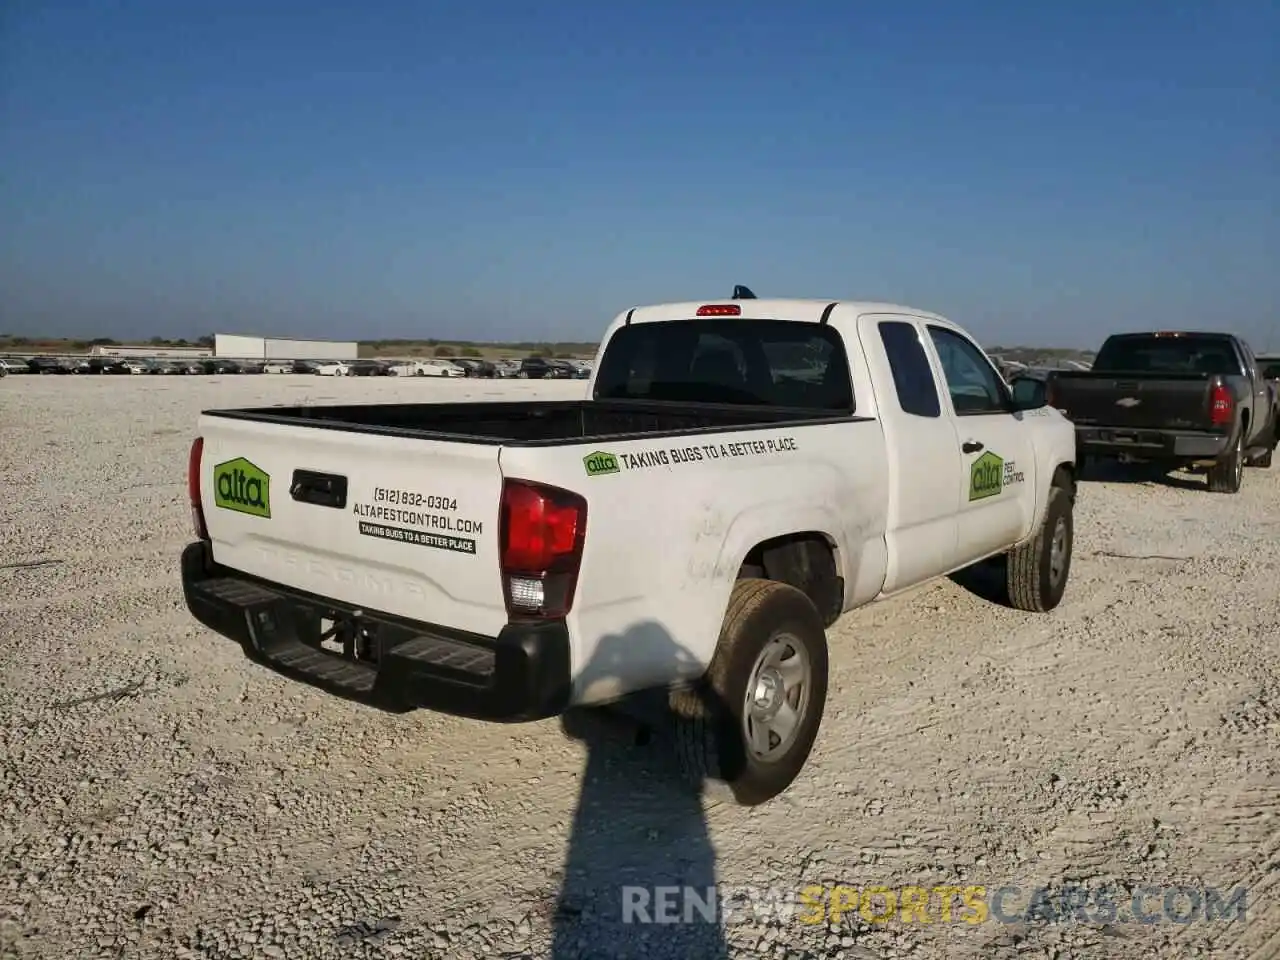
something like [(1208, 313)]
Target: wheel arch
[(808, 560)]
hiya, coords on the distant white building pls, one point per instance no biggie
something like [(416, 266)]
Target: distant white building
[(239, 347)]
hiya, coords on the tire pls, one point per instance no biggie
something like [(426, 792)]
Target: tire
[(1225, 475), (1263, 460), (1038, 570), (766, 622)]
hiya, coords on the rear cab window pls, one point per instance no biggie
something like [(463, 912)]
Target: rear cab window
[(1155, 353), (912, 375), (781, 363)]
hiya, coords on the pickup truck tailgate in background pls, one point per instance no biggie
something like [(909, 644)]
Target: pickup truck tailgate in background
[(1135, 400), (400, 525)]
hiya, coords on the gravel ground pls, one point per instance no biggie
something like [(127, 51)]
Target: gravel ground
[(162, 797)]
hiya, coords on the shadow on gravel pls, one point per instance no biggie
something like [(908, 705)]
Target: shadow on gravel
[(987, 580), (638, 827), (1107, 472)]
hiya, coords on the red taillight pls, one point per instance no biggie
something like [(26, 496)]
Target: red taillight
[(1222, 405), (193, 488), (542, 533), (720, 310)]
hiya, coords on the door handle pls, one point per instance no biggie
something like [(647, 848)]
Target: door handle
[(971, 446), (322, 489)]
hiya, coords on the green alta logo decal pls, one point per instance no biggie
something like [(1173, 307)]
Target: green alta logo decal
[(986, 476), (240, 486), (600, 463)]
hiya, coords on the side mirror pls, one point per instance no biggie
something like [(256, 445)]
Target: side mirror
[(1028, 393)]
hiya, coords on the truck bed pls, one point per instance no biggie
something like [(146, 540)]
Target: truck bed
[(531, 423)]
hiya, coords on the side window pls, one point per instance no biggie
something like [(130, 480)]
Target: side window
[(974, 385), (912, 375)]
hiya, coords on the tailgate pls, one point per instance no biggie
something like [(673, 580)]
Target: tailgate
[(1133, 401), (395, 524)]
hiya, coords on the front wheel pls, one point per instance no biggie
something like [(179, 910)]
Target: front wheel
[(1037, 571), (753, 720)]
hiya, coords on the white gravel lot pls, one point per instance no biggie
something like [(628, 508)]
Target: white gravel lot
[(162, 797)]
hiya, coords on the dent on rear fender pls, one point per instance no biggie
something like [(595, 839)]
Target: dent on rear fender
[(706, 560)]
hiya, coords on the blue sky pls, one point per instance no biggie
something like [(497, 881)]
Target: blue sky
[(1039, 172)]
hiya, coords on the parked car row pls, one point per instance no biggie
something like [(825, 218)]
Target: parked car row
[(98, 365), (531, 368)]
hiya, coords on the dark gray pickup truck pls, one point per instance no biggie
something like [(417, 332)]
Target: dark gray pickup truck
[(1176, 399), (1269, 364)]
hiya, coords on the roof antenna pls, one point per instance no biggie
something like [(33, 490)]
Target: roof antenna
[(742, 293)]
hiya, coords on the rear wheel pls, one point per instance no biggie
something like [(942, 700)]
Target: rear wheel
[(1269, 441), (753, 720), (1225, 475)]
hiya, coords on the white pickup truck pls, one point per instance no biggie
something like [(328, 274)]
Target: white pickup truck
[(739, 475)]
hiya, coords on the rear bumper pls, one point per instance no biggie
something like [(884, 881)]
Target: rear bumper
[(520, 675), (1152, 444)]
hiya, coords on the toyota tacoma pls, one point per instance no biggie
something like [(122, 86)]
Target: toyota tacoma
[(741, 473)]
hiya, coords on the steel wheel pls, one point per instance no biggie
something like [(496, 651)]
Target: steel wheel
[(778, 694), (1059, 549)]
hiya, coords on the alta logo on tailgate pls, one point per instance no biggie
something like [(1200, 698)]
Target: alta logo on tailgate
[(243, 487)]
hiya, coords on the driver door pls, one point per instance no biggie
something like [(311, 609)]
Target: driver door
[(998, 481)]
